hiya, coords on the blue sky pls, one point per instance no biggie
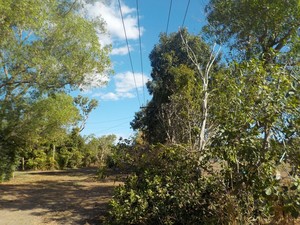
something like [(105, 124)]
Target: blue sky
[(125, 94)]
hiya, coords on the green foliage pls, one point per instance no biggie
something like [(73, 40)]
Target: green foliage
[(38, 160), (258, 128), (248, 172), (69, 158), (49, 49), (70, 153), (120, 155), (46, 126), (46, 48), (257, 116), (97, 150), (127, 154), (52, 116), (171, 186), (8, 160), (86, 106), (176, 90), (162, 193), (253, 27), (64, 156)]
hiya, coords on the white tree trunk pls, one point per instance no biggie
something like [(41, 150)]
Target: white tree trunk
[(204, 75)]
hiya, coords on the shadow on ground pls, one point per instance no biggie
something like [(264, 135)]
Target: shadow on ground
[(66, 197)]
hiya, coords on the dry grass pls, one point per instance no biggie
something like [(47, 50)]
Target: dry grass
[(55, 197)]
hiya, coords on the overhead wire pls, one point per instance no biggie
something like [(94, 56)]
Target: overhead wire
[(108, 121), (112, 127), (129, 54), (185, 14), (169, 15), (140, 43), (140, 48)]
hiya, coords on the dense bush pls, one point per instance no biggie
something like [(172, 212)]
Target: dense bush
[(172, 190), (170, 186), (9, 152), (159, 194), (38, 160), (8, 163)]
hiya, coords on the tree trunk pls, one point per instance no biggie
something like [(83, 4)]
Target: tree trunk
[(53, 157), (23, 163), (204, 121)]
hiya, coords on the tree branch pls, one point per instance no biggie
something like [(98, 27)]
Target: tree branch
[(203, 139)]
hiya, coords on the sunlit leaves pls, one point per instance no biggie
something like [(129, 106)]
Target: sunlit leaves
[(45, 47), (253, 27)]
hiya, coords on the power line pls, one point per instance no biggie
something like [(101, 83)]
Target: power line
[(109, 121), (109, 128), (137, 92), (140, 42), (185, 14), (169, 14)]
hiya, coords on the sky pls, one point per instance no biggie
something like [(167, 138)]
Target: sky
[(125, 93)]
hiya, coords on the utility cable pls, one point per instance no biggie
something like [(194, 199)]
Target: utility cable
[(137, 92), (185, 14), (169, 15), (108, 121), (112, 127), (140, 42)]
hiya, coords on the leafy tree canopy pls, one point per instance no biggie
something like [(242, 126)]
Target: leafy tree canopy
[(254, 27), (46, 47), (248, 172), (174, 86)]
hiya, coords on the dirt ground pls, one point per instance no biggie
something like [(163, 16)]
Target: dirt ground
[(71, 197)]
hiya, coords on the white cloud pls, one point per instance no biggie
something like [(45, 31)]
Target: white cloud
[(125, 86), (121, 50), (110, 96), (110, 12), (127, 95), (126, 82)]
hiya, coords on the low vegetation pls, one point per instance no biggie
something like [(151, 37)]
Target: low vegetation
[(218, 143)]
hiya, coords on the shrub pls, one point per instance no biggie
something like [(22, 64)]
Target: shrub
[(171, 186), (38, 160), (7, 165), (171, 191)]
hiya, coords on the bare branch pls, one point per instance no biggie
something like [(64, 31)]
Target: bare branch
[(205, 132), (192, 55)]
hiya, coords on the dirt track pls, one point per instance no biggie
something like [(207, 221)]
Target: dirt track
[(72, 197)]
